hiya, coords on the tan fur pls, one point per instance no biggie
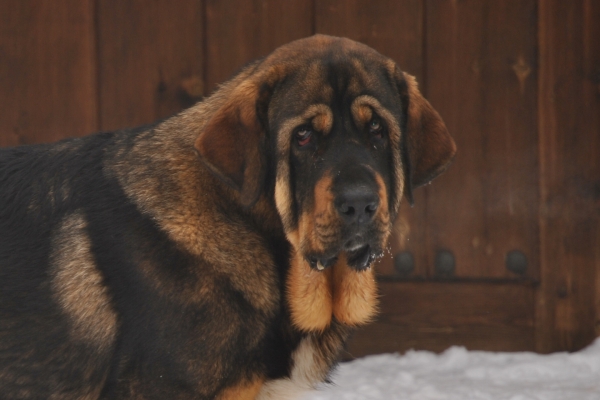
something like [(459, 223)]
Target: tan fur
[(283, 201), (310, 297), (323, 196), (324, 215), (354, 294), (244, 391), (383, 213), (362, 113), (78, 286), (323, 120)]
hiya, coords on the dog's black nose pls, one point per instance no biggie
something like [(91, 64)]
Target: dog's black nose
[(357, 204)]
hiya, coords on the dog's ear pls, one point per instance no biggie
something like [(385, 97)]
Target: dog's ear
[(427, 146), (233, 141)]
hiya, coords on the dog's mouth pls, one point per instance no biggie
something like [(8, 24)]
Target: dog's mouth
[(320, 264), (359, 258)]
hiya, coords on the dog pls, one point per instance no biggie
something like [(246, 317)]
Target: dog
[(222, 253)]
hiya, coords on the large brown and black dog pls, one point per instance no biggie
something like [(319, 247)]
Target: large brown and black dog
[(223, 253)]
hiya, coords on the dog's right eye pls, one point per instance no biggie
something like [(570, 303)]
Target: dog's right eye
[(303, 135)]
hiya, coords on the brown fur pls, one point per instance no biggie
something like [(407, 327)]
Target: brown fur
[(430, 147)]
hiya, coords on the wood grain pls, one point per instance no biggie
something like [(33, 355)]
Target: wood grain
[(482, 77), (568, 304), (239, 31), (151, 60), (47, 71), (394, 28), (436, 315)]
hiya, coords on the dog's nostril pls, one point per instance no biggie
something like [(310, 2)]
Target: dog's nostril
[(357, 204), (347, 209), (371, 208)]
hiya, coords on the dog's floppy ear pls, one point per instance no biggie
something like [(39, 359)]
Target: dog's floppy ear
[(428, 148), (232, 143)]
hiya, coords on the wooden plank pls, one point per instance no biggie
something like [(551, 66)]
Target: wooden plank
[(436, 315), (395, 29), (151, 61), (47, 70), (568, 304), (239, 31), (481, 77)]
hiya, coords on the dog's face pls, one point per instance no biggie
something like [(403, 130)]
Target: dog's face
[(337, 123), (337, 134)]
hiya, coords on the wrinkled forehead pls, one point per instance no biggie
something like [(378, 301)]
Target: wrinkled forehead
[(335, 76)]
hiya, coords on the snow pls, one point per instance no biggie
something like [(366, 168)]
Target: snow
[(459, 374)]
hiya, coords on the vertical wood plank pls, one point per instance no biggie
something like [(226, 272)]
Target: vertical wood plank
[(151, 60), (47, 70), (239, 31), (395, 29), (481, 77), (569, 121)]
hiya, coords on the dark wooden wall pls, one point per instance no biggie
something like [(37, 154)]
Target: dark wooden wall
[(517, 82)]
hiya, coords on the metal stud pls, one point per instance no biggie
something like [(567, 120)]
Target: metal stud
[(404, 262), (516, 262), (444, 263)]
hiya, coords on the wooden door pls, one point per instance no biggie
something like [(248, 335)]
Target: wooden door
[(502, 252)]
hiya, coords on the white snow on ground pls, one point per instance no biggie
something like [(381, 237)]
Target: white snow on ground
[(458, 374)]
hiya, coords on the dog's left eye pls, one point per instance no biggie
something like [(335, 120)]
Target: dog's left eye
[(376, 127)]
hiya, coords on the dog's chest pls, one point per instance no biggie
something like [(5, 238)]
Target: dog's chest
[(308, 368), (311, 363)]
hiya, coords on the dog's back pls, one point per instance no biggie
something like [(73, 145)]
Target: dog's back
[(97, 298), (46, 193)]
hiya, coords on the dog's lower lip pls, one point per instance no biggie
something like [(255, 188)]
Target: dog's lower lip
[(321, 264), (361, 258)]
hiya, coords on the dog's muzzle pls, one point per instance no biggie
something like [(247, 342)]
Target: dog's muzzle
[(356, 202)]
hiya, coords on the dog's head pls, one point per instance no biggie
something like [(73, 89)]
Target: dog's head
[(337, 133)]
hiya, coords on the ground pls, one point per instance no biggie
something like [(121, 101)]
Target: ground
[(459, 374)]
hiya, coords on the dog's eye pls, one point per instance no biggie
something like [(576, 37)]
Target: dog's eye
[(304, 135), (375, 127)]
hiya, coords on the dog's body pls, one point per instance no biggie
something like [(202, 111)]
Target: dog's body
[(223, 253)]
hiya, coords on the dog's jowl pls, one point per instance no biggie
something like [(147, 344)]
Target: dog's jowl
[(224, 253)]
